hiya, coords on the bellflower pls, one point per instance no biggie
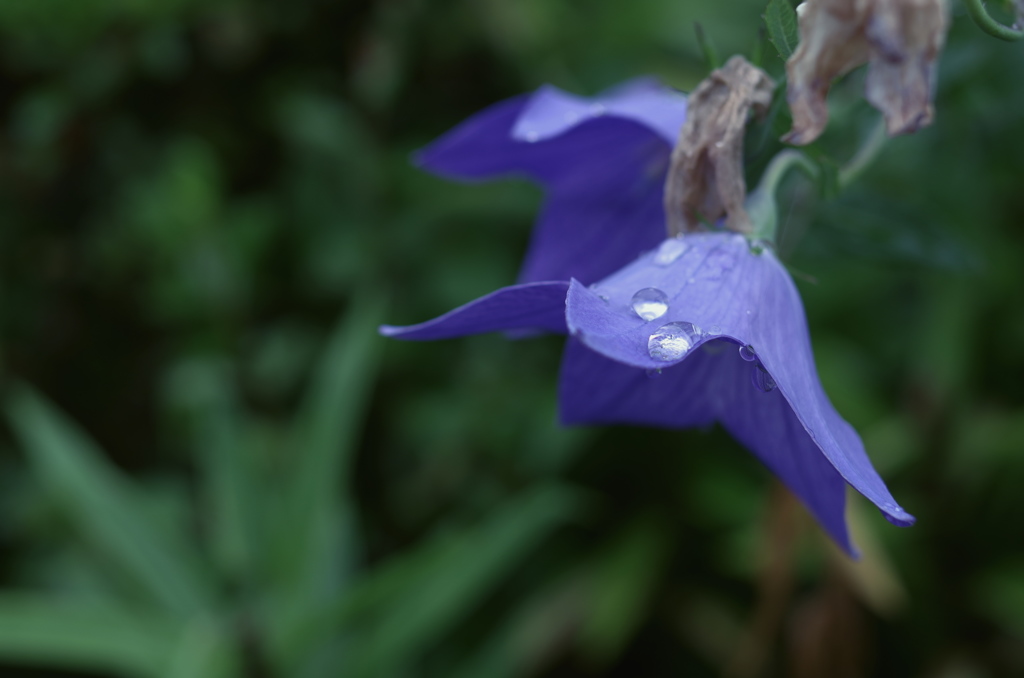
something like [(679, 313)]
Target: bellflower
[(698, 329), (602, 161)]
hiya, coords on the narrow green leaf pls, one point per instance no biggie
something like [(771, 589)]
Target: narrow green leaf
[(84, 635), (204, 649), (781, 22), (316, 538), (409, 602), (104, 506), (435, 599), (625, 581), (230, 488), (707, 48)]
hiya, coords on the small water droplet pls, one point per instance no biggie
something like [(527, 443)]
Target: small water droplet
[(714, 330), (670, 250), (653, 374), (673, 340), (719, 144), (650, 303), (749, 311), (762, 380), (748, 353)]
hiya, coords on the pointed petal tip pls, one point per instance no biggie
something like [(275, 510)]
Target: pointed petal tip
[(897, 516)]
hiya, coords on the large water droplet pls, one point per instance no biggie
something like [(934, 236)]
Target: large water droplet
[(670, 250), (748, 353), (650, 303), (673, 340), (762, 380)]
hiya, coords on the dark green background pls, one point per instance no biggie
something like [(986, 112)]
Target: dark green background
[(193, 193)]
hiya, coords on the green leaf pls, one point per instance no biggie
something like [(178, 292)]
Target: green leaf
[(316, 539), (435, 599), (780, 19), (230, 489), (84, 635), (626, 579), (406, 604), (104, 506), (707, 48), (204, 649)]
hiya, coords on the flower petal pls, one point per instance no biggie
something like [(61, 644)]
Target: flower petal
[(552, 111), (712, 384), (603, 162), (717, 283), (595, 389), (534, 306)]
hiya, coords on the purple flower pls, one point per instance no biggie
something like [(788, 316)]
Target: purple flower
[(715, 320), (596, 220)]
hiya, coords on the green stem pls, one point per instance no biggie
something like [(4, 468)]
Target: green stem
[(976, 9), (761, 205), (865, 155)]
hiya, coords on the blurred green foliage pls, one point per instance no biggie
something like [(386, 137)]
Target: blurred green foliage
[(222, 479)]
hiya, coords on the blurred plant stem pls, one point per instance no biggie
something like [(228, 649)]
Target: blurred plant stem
[(775, 583)]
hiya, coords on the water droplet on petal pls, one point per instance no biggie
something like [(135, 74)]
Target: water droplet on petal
[(673, 341), (762, 380), (650, 303), (716, 265), (748, 353), (670, 250), (714, 330)]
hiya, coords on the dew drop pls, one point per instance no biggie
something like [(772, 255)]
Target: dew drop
[(714, 330), (673, 340), (670, 250), (650, 303), (748, 353), (720, 262), (762, 380)]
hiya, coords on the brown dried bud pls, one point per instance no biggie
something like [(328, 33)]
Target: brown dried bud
[(901, 39), (705, 180)]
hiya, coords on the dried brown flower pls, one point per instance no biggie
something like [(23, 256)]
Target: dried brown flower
[(900, 39), (705, 181)]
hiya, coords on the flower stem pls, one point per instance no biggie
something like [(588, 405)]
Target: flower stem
[(761, 204), (865, 155), (976, 9)]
